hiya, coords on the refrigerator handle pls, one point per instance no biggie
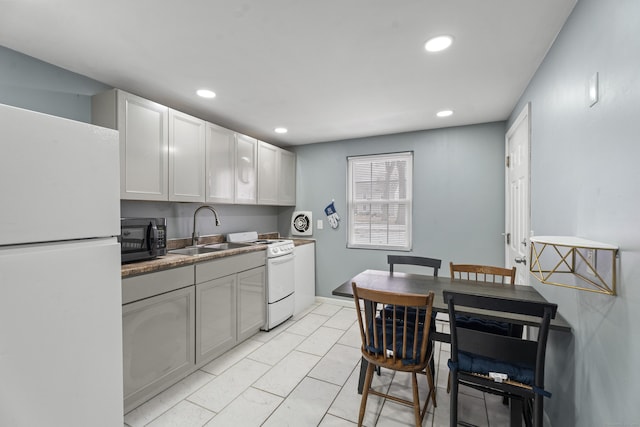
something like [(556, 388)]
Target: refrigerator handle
[(152, 238)]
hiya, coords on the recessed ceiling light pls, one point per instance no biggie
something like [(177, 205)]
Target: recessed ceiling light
[(444, 113), (206, 93), (280, 130), (436, 44)]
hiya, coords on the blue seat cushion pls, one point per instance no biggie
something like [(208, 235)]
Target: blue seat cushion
[(408, 357), (483, 325), (470, 362)]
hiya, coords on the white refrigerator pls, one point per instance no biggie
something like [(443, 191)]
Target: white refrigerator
[(60, 289)]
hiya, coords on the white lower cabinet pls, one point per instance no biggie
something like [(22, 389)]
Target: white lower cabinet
[(231, 304), (158, 343), (216, 318), (251, 302), (305, 276), (173, 324)]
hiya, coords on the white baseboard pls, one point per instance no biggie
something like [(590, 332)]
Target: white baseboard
[(341, 301)]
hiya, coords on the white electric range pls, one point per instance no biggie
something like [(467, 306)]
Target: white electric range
[(280, 281)]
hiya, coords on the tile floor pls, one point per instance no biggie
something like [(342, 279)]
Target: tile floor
[(304, 373)]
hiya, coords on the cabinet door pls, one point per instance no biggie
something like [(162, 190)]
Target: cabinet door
[(287, 178), (216, 317), (305, 277), (267, 173), (220, 164), (251, 302), (246, 169), (186, 157), (158, 342), (144, 164)]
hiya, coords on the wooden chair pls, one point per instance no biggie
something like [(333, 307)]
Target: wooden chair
[(509, 366), (399, 343), (486, 273), (414, 260), (482, 273)]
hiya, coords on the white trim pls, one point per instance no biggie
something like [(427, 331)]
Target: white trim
[(342, 301)]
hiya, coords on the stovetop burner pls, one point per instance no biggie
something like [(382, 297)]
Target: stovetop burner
[(276, 247)]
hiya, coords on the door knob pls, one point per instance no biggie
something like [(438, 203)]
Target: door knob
[(521, 260)]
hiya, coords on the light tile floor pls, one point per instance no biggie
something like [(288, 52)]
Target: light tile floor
[(305, 373)]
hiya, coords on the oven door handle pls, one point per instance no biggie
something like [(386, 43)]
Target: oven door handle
[(281, 259)]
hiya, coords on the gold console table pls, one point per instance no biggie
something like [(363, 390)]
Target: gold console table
[(593, 264)]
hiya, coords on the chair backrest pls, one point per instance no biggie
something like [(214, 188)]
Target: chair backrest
[(482, 273), (414, 260), (398, 342), (506, 349)]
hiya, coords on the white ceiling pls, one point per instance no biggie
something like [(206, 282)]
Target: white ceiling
[(326, 70)]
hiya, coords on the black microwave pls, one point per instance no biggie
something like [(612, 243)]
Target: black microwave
[(142, 238)]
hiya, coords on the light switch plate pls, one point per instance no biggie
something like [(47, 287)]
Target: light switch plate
[(319, 224)]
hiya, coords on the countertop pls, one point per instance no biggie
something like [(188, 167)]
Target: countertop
[(174, 260)]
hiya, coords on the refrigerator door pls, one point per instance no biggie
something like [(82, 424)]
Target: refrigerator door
[(61, 329), (59, 179)]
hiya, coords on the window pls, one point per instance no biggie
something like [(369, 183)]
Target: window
[(379, 201)]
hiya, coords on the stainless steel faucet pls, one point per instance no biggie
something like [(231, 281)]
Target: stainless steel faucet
[(194, 236)]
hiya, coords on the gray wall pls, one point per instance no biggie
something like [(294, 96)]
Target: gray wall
[(585, 181), (29, 83), (458, 212), (233, 218)]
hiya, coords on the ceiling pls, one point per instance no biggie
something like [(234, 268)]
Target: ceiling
[(326, 70)]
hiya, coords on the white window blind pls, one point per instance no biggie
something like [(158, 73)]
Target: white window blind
[(379, 201)]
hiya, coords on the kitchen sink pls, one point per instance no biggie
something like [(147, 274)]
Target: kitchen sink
[(193, 250), (226, 245), (206, 249)]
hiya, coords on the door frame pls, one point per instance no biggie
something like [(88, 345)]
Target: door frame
[(524, 115)]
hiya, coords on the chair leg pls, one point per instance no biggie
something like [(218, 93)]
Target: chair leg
[(416, 399), (365, 392), (537, 410), (432, 387), (453, 401)]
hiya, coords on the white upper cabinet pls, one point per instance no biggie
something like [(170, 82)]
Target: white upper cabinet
[(186, 158), (144, 140), (267, 174), (246, 169), (166, 155), (220, 164), (287, 179), (276, 175)]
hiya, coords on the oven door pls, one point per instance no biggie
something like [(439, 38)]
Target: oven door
[(280, 277)]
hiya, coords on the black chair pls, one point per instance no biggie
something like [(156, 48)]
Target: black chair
[(400, 343), (420, 261), (481, 359), (414, 260)]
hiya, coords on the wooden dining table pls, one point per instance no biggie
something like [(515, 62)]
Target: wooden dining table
[(421, 284)]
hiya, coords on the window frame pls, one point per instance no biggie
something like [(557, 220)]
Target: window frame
[(353, 201)]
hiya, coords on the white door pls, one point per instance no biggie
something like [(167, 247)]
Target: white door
[(267, 174), (280, 277), (186, 157), (58, 179), (220, 164), (517, 199), (61, 329), (246, 169)]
